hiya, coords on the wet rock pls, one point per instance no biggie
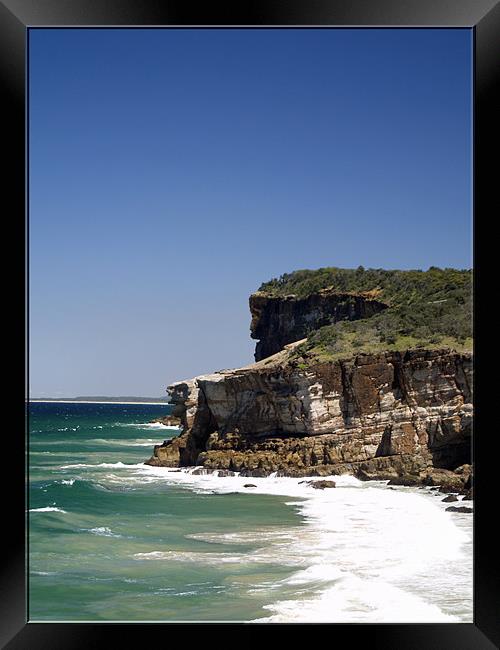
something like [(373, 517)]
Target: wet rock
[(321, 485), (168, 421), (450, 498), (463, 470), (458, 509), (407, 481), (249, 485), (449, 489), (257, 473)]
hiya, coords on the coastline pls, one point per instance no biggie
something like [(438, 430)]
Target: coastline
[(330, 569), (190, 543)]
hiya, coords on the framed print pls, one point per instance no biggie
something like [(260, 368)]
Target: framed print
[(321, 175)]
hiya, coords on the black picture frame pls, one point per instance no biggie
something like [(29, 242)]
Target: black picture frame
[(483, 16)]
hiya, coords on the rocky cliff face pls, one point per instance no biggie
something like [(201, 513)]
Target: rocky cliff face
[(277, 321), (387, 415)]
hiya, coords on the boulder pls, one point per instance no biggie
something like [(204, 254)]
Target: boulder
[(458, 509), (321, 485), (168, 421), (407, 481)]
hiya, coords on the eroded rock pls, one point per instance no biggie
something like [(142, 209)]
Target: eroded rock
[(402, 416), (278, 321)]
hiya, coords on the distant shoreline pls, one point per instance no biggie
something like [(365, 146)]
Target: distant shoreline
[(81, 401)]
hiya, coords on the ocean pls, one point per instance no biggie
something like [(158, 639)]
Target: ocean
[(112, 539)]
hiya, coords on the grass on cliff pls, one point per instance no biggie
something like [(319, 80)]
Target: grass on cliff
[(426, 309)]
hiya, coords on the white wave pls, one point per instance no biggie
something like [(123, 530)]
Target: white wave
[(314, 573), (150, 425), (48, 509), (366, 553), (263, 556), (145, 444), (138, 442), (67, 482), (102, 531), (43, 573), (363, 601), (242, 537), (391, 555), (118, 464)]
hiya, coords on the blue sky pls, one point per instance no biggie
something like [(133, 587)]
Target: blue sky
[(173, 171)]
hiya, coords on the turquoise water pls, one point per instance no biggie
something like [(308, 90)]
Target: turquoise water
[(111, 539), (83, 562)]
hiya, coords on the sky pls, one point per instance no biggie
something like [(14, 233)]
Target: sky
[(172, 171)]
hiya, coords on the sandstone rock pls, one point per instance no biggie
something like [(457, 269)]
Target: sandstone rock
[(407, 481), (201, 470), (449, 488), (397, 416), (463, 470), (168, 421), (446, 481), (321, 485), (278, 321)]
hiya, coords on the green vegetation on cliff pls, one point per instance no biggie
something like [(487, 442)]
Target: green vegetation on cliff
[(430, 308)]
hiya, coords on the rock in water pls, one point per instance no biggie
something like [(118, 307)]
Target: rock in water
[(168, 421), (458, 509), (321, 485)]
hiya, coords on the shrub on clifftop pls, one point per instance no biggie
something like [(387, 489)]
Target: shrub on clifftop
[(430, 308)]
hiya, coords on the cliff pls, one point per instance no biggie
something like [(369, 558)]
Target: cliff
[(389, 415), (277, 321), (353, 374)]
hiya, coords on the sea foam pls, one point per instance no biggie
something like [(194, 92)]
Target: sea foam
[(48, 509), (368, 554), (365, 553)]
